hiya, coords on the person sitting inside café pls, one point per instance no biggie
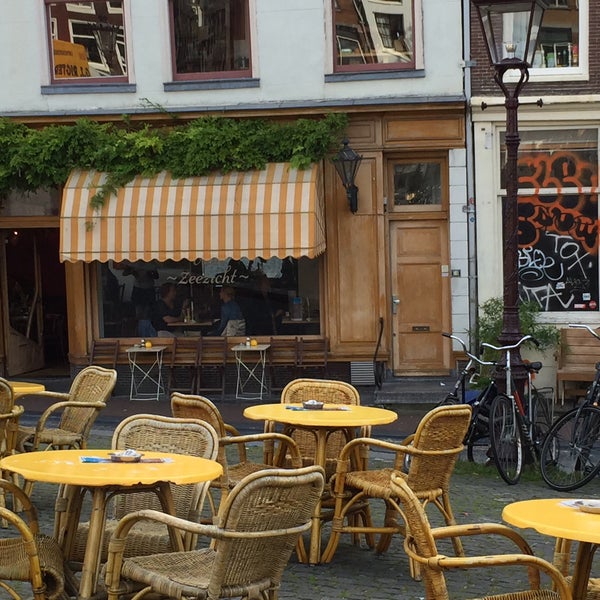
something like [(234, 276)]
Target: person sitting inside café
[(167, 310), (232, 320)]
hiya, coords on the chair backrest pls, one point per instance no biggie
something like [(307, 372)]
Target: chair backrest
[(104, 352), (91, 384), (438, 441), (166, 434), (278, 501), (185, 352), (324, 390), (9, 415), (419, 537)]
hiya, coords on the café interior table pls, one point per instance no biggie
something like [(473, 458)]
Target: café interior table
[(20, 388), (103, 479), (333, 417), (560, 518)]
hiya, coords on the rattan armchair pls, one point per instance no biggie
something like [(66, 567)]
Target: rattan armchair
[(9, 423), (233, 455), (431, 454), (257, 528), (160, 434), (323, 390), (78, 409), (420, 546), (29, 556)]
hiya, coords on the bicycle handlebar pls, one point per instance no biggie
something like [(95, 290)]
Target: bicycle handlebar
[(525, 338), (581, 326), (464, 346)]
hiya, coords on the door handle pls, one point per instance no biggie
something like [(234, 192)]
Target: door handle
[(395, 302)]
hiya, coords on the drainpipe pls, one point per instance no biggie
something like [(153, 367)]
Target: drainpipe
[(470, 152)]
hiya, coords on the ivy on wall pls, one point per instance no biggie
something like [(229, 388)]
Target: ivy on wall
[(43, 158)]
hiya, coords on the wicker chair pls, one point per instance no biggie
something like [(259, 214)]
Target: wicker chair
[(162, 434), (420, 545), (199, 407), (324, 390), (29, 556), (9, 423), (257, 528), (78, 409), (431, 453)]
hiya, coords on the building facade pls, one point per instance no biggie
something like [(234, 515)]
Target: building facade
[(558, 168), (391, 276)]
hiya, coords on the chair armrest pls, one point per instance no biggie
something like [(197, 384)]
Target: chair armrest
[(59, 406), (21, 499), (50, 394), (471, 529), (271, 456)]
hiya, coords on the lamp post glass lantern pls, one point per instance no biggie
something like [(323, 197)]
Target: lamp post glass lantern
[(511, 29), (346, 163)]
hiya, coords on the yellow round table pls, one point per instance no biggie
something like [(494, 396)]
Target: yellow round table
[(20, 388), (104, 478), (560, 518), (332, 417)]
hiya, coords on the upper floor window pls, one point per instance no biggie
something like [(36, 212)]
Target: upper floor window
[(87, 41), (211, 39), (562, 40), (375, 34)]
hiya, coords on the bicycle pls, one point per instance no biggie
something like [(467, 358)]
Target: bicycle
[(476, 439), (570, 456), (516, 431)]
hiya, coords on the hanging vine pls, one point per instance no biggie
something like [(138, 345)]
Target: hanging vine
[(43, 158)]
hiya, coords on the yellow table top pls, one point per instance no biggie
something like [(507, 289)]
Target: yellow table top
[(352, 416), (20, 388), (556, 517), (65, 466)]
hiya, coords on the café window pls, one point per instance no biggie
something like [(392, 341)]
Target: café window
[(375, 34), (558, 218), (274, 297), (87, 41), (562, 39), (211, 39)]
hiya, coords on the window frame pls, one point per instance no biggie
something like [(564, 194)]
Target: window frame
[(242, 73), (413, 64), (121, 42)]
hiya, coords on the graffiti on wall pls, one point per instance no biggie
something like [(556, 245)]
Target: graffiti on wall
[(558, 232)]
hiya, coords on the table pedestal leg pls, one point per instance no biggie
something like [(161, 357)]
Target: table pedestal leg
[(581, 569)]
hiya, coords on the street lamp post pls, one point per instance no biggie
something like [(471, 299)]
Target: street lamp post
[(511, 29)]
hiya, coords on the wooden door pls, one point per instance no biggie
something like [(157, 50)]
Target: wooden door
[(420, 296), (21, 301)]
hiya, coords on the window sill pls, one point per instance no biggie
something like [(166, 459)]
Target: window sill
[(211, 84), (373, 75), (555, 75), (92, 88)]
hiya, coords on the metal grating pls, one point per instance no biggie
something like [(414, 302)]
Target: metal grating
[(361, 373)]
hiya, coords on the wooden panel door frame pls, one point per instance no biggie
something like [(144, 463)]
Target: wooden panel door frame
[(423, 222)]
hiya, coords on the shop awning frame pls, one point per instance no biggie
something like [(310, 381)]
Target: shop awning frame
[(277, 211)]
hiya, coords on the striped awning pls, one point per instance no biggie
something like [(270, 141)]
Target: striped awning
[(274, 212)]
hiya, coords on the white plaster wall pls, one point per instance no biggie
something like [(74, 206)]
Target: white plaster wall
[(291, 55)]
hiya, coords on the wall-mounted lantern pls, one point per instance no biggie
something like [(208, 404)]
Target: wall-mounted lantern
[(346, 163)]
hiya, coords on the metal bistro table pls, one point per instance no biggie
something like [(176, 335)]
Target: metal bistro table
[(104, 478), (146, 372), (251, 365)]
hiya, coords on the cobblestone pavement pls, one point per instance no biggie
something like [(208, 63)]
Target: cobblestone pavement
[(358, 573)]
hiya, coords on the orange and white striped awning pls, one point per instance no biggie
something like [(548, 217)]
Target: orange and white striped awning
[(274, 212)]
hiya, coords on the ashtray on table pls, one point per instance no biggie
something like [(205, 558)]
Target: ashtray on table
[(313, 405), (126, 456)]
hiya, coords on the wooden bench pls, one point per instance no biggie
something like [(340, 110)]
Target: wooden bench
[(579, 353)]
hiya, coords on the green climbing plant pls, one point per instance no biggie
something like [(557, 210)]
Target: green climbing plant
[(34, 158)]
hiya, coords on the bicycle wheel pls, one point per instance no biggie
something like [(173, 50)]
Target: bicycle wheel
[(478, 448), (505, 439), (571, 451)]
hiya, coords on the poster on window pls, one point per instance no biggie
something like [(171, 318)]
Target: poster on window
[(558, 229)]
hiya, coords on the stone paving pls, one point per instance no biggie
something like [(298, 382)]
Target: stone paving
[(358, 573)]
